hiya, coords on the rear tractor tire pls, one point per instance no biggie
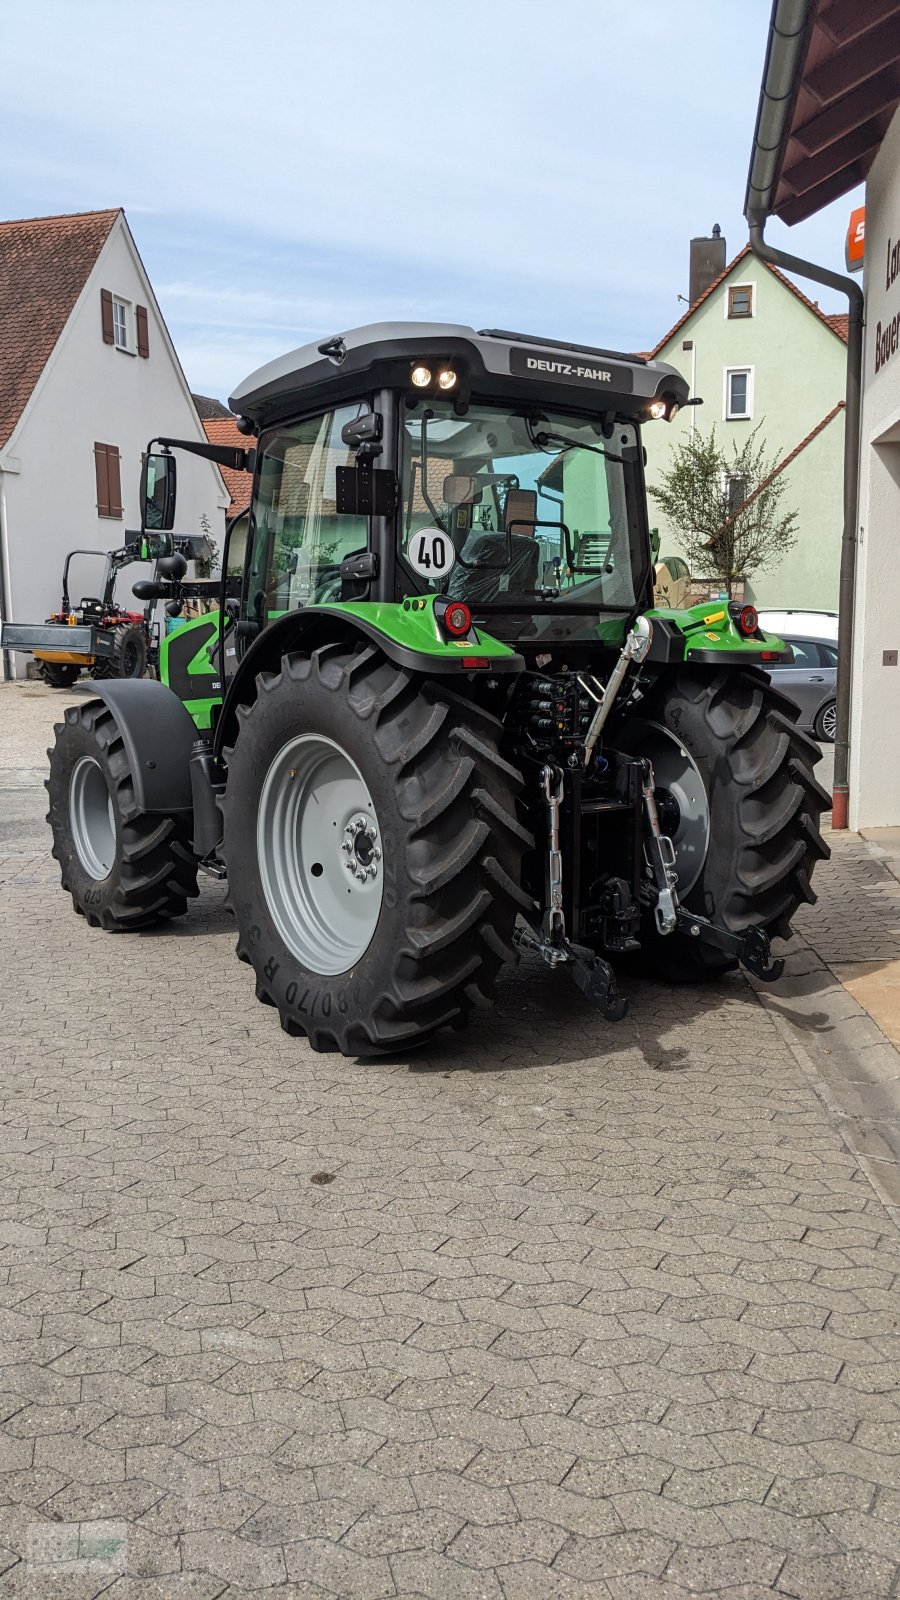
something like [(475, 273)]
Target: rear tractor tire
[(123, 868), (58, 674), (372, 849), (129, 654), (725, 742)]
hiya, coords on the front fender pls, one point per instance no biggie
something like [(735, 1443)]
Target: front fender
[(158, 735)]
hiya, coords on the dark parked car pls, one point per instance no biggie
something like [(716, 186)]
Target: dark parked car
[(810, 682)]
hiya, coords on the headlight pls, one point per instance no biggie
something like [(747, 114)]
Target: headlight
[(447, 378), (421, 377)]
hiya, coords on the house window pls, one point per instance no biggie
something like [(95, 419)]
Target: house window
[(122, 324), (738, 393), (125, 325), (735, 493), (107, 471), (740, 300)]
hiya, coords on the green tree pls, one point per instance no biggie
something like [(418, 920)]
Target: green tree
[(727, 507)]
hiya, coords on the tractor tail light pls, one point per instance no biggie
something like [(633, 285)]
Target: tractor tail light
[(748, 620), (457, 619), (475, 661)]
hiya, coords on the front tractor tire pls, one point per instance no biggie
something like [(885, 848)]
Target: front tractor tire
[(372, 849), (123, 868), (742, 753)]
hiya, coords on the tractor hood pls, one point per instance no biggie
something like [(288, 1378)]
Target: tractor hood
[(491, 363)]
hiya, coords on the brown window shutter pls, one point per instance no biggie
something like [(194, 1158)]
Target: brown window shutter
[(115, 480), (101, 470), (106, 316), (143, 332)]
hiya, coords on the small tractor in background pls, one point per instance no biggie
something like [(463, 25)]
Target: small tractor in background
[(96, 635), (441, 721)]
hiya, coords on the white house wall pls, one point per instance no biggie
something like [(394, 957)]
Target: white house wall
[(875, 723), (91, 391)]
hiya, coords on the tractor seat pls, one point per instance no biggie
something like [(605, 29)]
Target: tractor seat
[(486, 554)]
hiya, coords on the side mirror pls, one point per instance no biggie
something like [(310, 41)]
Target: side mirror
[(158, 492), (154, 545), (654, 544), (459, 489)]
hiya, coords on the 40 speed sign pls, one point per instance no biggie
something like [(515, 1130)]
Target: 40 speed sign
[(430, 553)]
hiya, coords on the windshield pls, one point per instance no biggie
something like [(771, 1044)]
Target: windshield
[(500, 508)]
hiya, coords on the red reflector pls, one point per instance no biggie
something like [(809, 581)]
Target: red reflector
[(748, 621), (475, 661), (770, 655), (457, 619)]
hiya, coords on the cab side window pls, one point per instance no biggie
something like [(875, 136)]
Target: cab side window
[(298, 538)]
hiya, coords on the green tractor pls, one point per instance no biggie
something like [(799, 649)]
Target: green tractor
[(437, 720)]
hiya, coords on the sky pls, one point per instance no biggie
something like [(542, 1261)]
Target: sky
[(292, 169)]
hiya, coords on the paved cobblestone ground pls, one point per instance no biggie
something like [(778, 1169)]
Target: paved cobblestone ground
[(561, 1310)]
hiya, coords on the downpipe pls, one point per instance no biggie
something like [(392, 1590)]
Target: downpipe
[(4, 576), (847, 587)]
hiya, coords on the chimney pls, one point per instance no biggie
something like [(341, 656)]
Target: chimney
[(707, 261)]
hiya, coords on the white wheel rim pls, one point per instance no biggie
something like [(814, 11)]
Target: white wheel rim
[(319, 850), (92, 818)]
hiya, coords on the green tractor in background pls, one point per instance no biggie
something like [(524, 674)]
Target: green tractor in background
[(438, 720)]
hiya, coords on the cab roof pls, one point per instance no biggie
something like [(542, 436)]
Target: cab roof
[(490, 363)]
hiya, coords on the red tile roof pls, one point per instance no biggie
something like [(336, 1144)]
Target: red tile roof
[(224, 430), (837, 324), (44, 265)]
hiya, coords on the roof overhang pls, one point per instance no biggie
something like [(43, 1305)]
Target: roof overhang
[(831, 84)]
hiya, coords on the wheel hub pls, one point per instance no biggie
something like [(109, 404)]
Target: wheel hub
[(362, 854)]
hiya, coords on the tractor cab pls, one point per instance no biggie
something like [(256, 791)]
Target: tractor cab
[(488, 468)]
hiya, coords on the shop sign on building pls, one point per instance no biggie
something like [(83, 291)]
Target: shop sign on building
[(855, 246)]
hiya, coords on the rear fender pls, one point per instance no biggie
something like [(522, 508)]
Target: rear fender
[(158, 735), (404, 631), (708, 635)]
